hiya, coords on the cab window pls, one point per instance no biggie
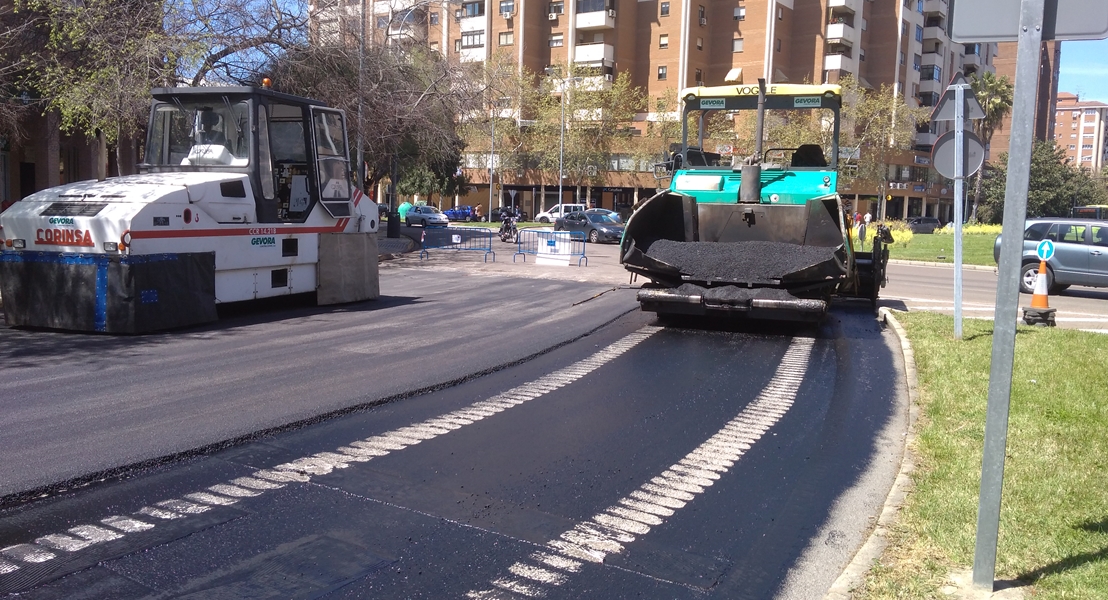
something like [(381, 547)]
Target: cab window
[(1036, 232), (1071, 234)]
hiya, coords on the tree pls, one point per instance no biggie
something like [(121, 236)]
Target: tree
[(100, 61), (877, 125), (1055, 185), (995, 96), (17, 35)]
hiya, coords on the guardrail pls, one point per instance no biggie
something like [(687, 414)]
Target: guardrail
[(477, 239), (551, 246)]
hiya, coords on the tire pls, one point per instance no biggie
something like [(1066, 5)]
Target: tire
[(1027, 278), (408, 222), (594, 236), (544, 220), (423, 223), (558, 227)]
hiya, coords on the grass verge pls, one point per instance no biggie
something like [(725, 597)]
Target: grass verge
[(939, 247), (1054, 516)]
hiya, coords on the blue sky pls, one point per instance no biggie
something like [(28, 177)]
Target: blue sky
[(1084, 69)]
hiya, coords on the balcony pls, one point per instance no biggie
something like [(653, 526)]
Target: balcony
[(932, 59), (926, 139), (972, 60), (594, 53), (839, 6), (934, 32), (932, 86), (596, 83), (839, 62), (935, 7), (598, 19), (841, 33)]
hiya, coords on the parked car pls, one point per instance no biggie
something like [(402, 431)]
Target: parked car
[(596, 227), (463, 212), (498, 211), (1080, 253), (425, 216), (603, 211), (924, 224), (558, 211)]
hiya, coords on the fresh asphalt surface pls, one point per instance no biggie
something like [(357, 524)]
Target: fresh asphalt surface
[(463, 510)]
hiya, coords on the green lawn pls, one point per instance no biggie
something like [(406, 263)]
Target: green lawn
[(938, 247), (1054, 517)]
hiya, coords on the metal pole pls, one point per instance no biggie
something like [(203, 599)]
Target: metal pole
[(562, 142), (360, 155), (1007, 292), (959, 191), (492, 158)]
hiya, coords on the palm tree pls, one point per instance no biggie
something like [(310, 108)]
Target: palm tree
[(995, 95)]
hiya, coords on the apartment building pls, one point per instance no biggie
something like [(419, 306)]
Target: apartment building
[(668, 45), (1079, 128), (1046, 94)]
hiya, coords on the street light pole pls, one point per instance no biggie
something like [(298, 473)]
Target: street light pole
[(492, 157), (562, 143)]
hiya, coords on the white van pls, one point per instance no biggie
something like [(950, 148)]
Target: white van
[(558, 211)]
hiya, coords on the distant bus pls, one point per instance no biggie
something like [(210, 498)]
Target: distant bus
[(1093, 211)]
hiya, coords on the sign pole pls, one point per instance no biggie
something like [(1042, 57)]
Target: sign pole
[(1029, 39), (959, 191)]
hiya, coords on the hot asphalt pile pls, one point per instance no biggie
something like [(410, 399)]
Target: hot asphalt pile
[(741, 262), (730, 294)]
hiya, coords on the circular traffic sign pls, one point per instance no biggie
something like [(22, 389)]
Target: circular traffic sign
[(942, 154), (1045, 250)]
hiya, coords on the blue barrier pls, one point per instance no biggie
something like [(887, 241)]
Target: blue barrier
[(551, 245), (457, 238)]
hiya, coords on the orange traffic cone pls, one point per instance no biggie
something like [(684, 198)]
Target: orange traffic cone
[(1039, 297), (1039, 313)]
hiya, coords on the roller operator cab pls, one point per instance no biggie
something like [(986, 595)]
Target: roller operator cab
[(243, 193), (763, 237)]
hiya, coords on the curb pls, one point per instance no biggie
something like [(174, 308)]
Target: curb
[(924, 263), (855, 572)]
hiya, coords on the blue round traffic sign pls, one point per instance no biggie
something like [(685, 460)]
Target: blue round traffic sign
[(1045, 250)]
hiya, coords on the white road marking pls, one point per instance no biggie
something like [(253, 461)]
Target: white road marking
[(607, 532), (303, 469)]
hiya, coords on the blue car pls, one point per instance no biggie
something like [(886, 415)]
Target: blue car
[(459, 213)]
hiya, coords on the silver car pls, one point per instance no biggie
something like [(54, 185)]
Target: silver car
[(426, 215), (1080, 253)]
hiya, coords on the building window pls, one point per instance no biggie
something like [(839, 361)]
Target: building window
[(507, 6), (382, 22), (737, 45), (777, 45), (699, 43), (902, 58), (507, 38), (919, 33), (557, 8), (1073, 136), (928, 99), (457, 45), (780, 13), (700, 14), (434, 18), (919, 6), (664, 9), (931, 73), (473, 9), (556, 40), (904, 28), (740, 13), (1086, 157), (1074, 147), (663, 40), (662, 72), (434, 46), (699, 77), (1086, 146), (917, 60), (473, 39), (861, 54)]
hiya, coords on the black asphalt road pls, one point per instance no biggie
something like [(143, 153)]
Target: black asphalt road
[(75, 404), (600, 430)]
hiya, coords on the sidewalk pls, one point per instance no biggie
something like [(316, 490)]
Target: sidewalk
[(388, 248)]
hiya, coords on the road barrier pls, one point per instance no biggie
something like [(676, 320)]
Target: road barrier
[(551, 247), (457, 238)]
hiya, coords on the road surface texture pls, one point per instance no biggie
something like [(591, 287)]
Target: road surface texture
[(636, 461)]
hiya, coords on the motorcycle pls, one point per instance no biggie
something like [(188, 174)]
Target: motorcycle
[(508, 230)]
